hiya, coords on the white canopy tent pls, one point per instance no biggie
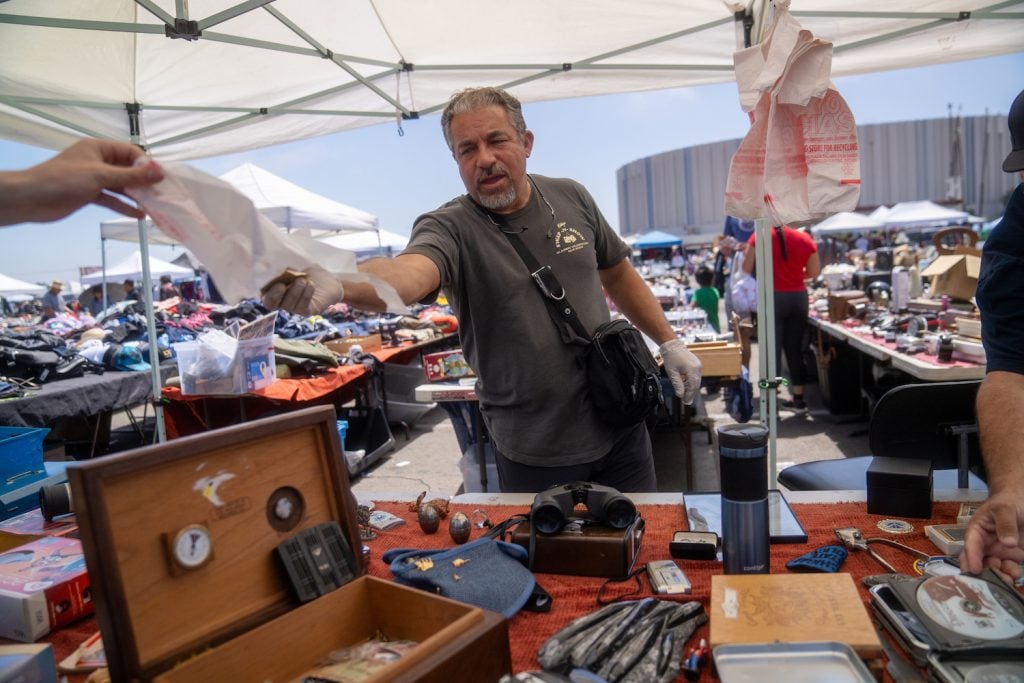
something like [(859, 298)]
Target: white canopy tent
[(380, 243), (846, 221), (923, 214), (131, 268), (10, 286), (284, 203), (210, 77)]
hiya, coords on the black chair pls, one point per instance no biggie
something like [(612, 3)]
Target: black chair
[(933, 421)]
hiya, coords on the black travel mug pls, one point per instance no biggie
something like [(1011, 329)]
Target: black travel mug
[(742, 451)]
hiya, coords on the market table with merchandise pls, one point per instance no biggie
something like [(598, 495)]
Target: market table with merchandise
[(820, 512)]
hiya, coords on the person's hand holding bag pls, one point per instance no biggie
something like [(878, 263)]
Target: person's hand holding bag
[(307, 292), (683, 369)]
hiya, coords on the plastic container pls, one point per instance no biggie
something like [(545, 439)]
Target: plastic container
[(205, 369), (21, 454), (367, 438)]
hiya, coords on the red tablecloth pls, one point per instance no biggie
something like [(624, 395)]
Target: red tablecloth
[(574, 596)]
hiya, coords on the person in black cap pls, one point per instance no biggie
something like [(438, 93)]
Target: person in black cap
[(995, 535)]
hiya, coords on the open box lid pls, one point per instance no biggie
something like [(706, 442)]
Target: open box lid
[(152, 612)]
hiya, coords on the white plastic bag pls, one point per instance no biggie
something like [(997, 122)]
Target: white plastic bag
[(799, 160), (240, 248)]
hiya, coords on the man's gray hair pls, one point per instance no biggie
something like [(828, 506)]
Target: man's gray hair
[(472, 99)]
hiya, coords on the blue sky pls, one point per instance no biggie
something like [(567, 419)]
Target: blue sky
[(399, 177)]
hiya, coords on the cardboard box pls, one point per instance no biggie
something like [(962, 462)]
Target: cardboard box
[(231, 617), (34, 663), (341, 346), (955, 275), (43, 586), (844, 304), (446, 365), (33, 524), (718, 359)]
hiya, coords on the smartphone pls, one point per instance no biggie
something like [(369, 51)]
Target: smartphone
[(902, 623), (667, 578)]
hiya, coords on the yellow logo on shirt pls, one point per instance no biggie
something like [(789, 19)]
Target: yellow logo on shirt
[(568, 240)]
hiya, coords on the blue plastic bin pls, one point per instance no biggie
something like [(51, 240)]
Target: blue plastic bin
[(21, 455)]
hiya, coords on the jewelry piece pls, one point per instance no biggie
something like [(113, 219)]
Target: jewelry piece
[(481, 520)]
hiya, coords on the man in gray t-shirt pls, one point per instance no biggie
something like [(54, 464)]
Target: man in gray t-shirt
[(532, 393)]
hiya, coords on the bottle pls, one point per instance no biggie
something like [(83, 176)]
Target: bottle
[(742, 451)]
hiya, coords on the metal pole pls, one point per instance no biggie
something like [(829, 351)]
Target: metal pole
[(103, 264), (766, 336), (154, 347)]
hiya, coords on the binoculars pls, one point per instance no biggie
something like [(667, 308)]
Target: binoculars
[(606, 505)]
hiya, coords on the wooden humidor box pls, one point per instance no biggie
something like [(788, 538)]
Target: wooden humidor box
[(718, 358), (233, 618)]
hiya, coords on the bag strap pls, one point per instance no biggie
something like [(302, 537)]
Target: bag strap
[(561, 311)]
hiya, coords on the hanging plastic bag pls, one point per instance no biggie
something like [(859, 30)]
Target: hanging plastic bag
[(799, 160)]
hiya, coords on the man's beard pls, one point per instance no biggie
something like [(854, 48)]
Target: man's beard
[(497, 202)]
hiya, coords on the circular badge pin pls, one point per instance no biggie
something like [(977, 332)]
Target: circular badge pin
[(895, 526)]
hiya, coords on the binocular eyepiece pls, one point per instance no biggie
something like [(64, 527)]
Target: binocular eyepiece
[(551, 507)]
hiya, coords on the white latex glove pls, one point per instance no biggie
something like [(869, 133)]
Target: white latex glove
[(682, 368), (309, 294)]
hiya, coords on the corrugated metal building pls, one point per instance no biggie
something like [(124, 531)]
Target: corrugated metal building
[(682, 191)]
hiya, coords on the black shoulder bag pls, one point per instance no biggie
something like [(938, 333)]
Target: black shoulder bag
[(623, 378)]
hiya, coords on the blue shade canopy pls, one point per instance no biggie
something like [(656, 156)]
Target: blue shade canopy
[(656, 239)]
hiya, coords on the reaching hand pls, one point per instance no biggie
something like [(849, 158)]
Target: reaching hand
[(683, 369), (308, 294), (995, 536), (88, 171)]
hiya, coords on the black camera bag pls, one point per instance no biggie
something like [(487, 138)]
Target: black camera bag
[(622, 375)]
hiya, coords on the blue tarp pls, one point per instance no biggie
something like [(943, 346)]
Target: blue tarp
[(656, 239)]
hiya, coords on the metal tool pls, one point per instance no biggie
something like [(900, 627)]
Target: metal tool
[(852, 538)]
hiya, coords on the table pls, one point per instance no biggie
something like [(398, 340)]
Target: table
[(186, 415), (819, 512), (91, 397), (921, 366)]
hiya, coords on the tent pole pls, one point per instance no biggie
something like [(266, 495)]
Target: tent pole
[(133, 109), (103, 266), (154, 347), (766, 337)]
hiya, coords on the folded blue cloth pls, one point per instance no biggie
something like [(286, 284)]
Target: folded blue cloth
[(486, 573), (827, 558)]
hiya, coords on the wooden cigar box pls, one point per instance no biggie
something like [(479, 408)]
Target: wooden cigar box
[(227, 612)]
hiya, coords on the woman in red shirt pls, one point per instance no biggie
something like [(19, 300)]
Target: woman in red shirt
[(794, 259)]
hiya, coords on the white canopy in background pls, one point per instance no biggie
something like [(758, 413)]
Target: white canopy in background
[(11, 286), (381, 242), (846, 221), (922, 214), (131, 269), (286, 204), (240, 76)]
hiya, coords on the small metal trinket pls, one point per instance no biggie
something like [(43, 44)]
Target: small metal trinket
[(460, 527), (429, 518)]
